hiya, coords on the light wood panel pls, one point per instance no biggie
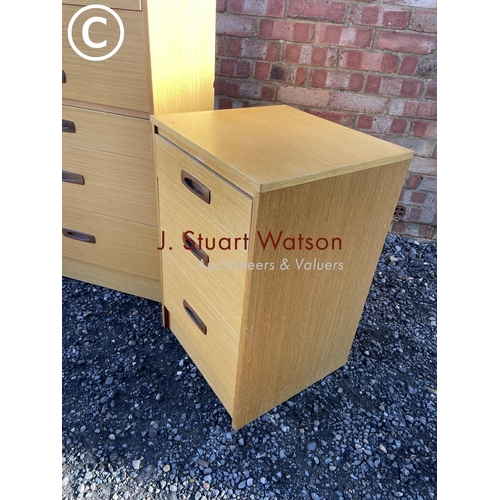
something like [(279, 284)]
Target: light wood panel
[(120, 245), (111, 278), (115, 185), (272, 147), (299, 324), (181, 54), (108, 83), (107, 132), (215, 354), (229, 209), (132, 50), (114, 4), (223, 281)]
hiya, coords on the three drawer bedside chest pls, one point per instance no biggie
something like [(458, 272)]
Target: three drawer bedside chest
[(123, 60), (272, 222)]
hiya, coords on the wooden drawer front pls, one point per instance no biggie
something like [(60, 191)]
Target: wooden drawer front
[(117, 186), (222, 282), (114, 4), (107, 83), (107, 132), (214, 353), (120, 80), (229, 209), (119, 245), (132, 49)]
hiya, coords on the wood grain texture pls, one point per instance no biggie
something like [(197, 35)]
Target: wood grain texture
[(120, 245), (114, 4), (216, 353), (108, 83), (223, 281), (132, 50), (181, 54), (299, 324), (92, 106), (116, 186), (111, 278), (266, 148), (229, 209), (166, 63), (116, 134)]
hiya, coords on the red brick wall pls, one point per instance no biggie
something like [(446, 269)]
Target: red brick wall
[(366, 64)]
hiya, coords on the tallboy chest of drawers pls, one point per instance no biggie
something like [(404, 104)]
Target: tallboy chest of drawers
[(272, 223), (124, 60)]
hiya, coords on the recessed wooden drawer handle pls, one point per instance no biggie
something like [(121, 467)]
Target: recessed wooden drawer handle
[(78, 235), (196, 319), (68, 126), (195, 249), (72, 178), (63, 76), (195, 186)]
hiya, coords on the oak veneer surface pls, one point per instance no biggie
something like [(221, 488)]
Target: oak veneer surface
[(114, 4), (307, 178), (266, 148), (166, 64)]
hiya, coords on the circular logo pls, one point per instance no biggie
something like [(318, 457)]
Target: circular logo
[(85, 33)]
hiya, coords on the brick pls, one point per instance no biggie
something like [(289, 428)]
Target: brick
[(345, 119), (289, 31), (364, 122), (328, 34), (421, 147), (255, 90), (223, 103), (369, 61), (424, 21), (414, 43), (414, 214), (233, 67), (377, 124), (256, 49), (426, 166), (388, 17), (341, 80), (426, 68), (408, 65), (396, 19), (428, 183), (393, 86), (304, 97), (221, 5), (423, 4), (425, 130), (358, 102), (234, 47), (414, 109), (262, 70), (220, 49), (235, 26), (398, 126), (431, 92), (219, 87), (284, 73), (310, 55), (412, 181), (318, 9), (418, 197), (268, 8)]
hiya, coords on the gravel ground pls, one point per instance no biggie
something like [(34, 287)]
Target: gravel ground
[(140, 422)]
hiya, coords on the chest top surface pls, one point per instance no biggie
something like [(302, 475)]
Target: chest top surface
[(270, 147)]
